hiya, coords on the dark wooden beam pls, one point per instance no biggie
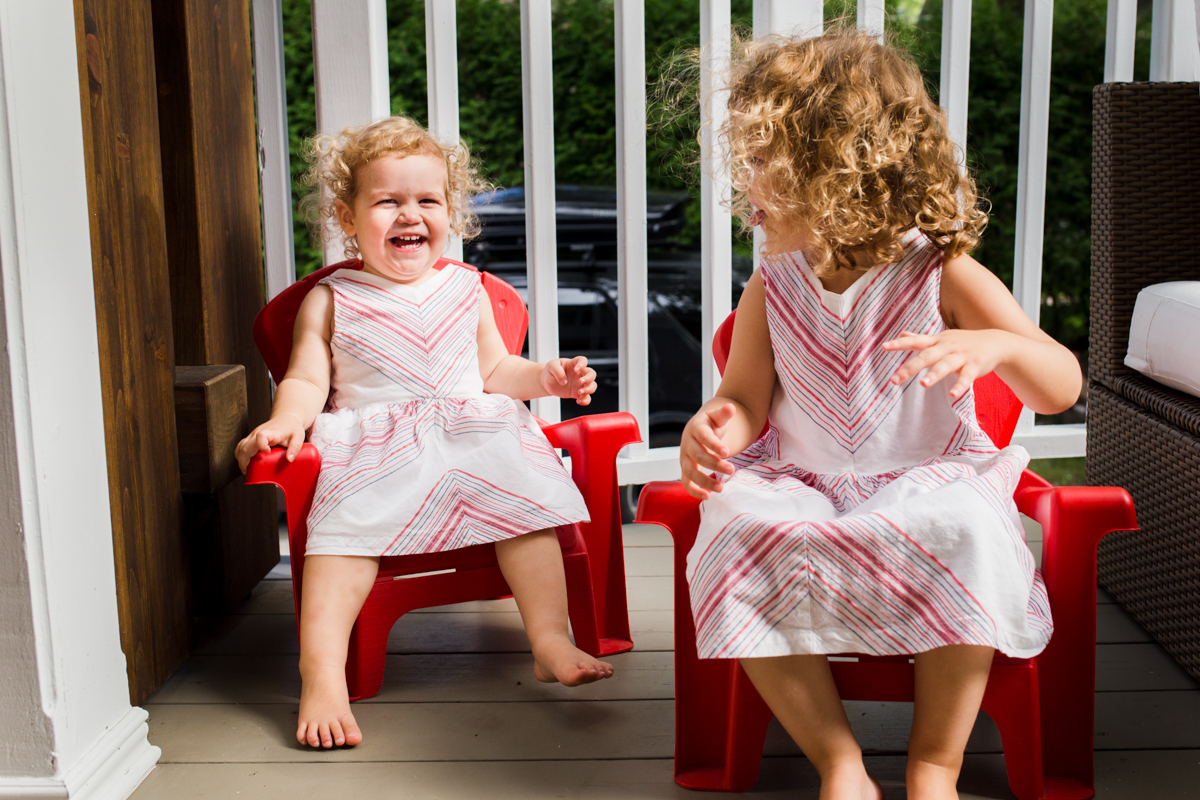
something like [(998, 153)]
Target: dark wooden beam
[(210, 419), (133, 311), (210, 178)]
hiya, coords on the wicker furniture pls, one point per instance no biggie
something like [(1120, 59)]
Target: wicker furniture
[(1142, 435)]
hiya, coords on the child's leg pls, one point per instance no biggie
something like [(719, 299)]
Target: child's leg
[(801, 693), (532, 565), (949, 688), (335, 588)]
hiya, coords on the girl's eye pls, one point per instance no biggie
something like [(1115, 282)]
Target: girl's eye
[(385, 200)]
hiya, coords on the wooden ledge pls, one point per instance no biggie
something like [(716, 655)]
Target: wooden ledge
[(210, 419)]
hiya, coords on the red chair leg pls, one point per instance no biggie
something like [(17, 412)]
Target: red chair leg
[(720, 719), (1011, 700), (367, 653), (581, 608)]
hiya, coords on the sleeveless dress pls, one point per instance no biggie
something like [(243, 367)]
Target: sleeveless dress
[(415, 457), (870, 518)]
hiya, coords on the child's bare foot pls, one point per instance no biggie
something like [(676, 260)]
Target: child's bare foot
[(325, 718), (556, 660), (929, 781), (850, 784)]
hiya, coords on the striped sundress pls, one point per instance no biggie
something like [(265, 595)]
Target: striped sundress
[(869, 518), (415, 457)]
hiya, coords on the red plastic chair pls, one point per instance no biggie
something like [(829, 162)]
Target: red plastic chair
[(593, 557), (1043, 706)]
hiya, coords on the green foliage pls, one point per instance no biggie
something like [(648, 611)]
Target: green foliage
[(489, 52)]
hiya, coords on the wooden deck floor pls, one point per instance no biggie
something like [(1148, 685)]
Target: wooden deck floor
[(460, 715)]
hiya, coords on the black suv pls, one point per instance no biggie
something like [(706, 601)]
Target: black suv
[(587, 292)]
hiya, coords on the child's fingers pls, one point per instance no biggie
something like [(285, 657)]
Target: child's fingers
[(708, 438), (555, 368), (966, 376), (706, 457), (951, 362), (293, 446), (579, 364), (909, 341), (721, 416), (918, 362)]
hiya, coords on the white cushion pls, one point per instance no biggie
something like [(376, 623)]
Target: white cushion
[(1164, 336)]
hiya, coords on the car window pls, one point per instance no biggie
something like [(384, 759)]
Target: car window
[(587, 321)]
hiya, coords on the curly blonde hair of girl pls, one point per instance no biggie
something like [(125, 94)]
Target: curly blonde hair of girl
[(843, 135), (334, 162)]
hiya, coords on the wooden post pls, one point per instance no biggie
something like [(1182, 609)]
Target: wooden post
[(133, 320), (210, 179)]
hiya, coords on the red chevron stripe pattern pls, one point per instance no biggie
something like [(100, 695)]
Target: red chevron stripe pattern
[(832, 366), (804, 552), (415, 458), (463, 510), (888, 595), (423, 346)]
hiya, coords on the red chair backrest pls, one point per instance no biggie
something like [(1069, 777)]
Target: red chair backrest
[(996, 407), (275, 324)]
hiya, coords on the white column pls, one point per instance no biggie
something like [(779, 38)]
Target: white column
[(1120, 34), (441, 67), (956, 69), (350, 72), (629, 30), (1173, 45), (716, 225), (541, 242), (69, 730), (274, 173)]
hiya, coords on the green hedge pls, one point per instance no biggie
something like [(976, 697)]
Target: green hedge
[(584, 96)]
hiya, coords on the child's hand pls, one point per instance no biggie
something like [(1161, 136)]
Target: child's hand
[(283, 430), (967, 353), (569, 377), (701, 447)]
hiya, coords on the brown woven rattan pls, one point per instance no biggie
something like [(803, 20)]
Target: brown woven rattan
[(1142, 435)]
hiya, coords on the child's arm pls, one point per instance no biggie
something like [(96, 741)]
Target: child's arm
[(989, 332), (732, 421), (304, 389), (522, 379)]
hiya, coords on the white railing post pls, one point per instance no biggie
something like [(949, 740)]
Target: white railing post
[(955, 69), (791, 18), (274, 174), (633, 340), (537, 81), (871, 17), (1174, 55), (716, 224), (1031, 158), (441, 69), (1120, 35), (1031, 165), (349, 70)]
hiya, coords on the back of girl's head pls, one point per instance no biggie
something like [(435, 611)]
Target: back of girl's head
[(853, 150), (335, 161)]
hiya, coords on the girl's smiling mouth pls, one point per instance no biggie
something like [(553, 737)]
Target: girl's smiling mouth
[(407, 243)]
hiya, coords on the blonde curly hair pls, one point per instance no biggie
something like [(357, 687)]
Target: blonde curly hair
[(842, 130), (334, 162)]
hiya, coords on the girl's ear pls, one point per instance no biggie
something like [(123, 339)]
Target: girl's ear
[(345, 217)]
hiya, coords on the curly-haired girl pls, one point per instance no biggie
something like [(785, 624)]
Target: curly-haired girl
[(874, 515), (401, 373)]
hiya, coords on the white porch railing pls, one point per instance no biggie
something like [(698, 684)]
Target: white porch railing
[(350, 54)]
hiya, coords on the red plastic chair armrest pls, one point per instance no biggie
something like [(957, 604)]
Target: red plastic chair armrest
[(298, 478)]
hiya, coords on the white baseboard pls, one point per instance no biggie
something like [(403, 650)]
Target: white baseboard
[(111, 770)]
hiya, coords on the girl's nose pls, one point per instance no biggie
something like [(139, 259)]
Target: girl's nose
[(409, 213)]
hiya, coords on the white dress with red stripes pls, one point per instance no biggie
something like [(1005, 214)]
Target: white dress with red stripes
[(415, 456), (870, 518)]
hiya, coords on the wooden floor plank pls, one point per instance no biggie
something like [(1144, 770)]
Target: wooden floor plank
[(1139, 668), (1115, 626), (442, 677), (264, 733), (499, 632)]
